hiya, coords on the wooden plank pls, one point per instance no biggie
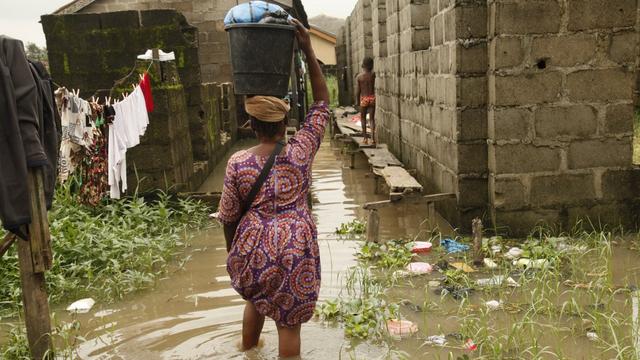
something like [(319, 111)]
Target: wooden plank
[(381, 157), (399, 180), (39, 236), (36, 305), (8, 240), (429, 199), (360, 141), (34, 257)]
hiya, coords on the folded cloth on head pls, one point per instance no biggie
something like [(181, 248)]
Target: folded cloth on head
[(266, 108)]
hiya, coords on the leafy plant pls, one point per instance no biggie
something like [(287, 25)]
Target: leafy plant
[(355, 227), (393, 254)]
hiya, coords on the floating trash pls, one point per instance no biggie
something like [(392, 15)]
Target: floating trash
[(464, 267), (497, 280), (592, 336), (401, 328), (514, 253), (434, 283), (422, 247), (493, 305), (419, 268), (532, 264), (470, 345), (452, 246), (82, 306), (496, 249), (439, 340), (490, 264)]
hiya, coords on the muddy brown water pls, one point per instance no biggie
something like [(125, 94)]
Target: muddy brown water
[(194, 313)]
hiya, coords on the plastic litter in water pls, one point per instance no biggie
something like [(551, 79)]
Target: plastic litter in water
[(422, 247), (496, 249), (452, 246), (401, 328), (514, 253), (532, 264), (434, 283), (419, 268), (493, 305), (464, 267), (81, 306), (439, 340), (470, 345), (592, 336), (497, 280), (490, 264)]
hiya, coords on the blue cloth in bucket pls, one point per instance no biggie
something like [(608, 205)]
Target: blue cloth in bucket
[(452, 246), (251, 12)]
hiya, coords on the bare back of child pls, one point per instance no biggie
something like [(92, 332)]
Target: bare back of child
[(366, 96)]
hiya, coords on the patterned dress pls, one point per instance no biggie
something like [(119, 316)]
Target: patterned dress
[(275, 259)]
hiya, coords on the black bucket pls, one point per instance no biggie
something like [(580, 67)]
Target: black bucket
[(261, 57)]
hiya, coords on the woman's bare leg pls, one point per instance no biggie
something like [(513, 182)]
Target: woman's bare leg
[(252, 323), (289, 341)]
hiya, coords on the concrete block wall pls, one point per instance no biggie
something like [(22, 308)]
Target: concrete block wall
[(562, 88), (206, 15), (524, 109)]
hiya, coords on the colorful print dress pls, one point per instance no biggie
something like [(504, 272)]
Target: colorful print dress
[(275, 260)]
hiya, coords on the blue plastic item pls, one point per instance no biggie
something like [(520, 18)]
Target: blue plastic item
[(452, 246), (251, 12)]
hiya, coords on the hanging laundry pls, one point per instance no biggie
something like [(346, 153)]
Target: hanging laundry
[(95, 182), (129, 124), (145, 85), (78, 127)]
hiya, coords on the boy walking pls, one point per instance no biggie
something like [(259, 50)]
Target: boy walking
[(366, 94)]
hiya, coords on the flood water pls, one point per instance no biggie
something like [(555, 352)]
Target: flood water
[(195, 314)]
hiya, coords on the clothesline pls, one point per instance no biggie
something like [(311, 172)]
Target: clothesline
[(101, 153)]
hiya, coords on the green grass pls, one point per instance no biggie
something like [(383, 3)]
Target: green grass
[(636, 141), (106, 252), (332, 84)]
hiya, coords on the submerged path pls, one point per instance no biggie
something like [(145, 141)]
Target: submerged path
[(194, 313)]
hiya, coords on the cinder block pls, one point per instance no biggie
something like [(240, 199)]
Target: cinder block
[(470, 22), (562, 189), (527, 88), (601, 85), (566, 121), (528, 17), (621, 184), (619, 119), (472, 124), (594, 14), (524, 158), (471, 59), (472, 91), (521, 223), (511, 124), (600, 153), (506, 52), (472, 192), (564, 50), (472, 158), (623, 47), (508, 193)]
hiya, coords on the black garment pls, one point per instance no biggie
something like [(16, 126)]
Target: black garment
[(21, 145), (49, 117)]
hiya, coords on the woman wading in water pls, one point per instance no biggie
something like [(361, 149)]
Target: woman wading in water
[(274, 259)]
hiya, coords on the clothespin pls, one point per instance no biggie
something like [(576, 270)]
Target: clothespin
[(142, 76)]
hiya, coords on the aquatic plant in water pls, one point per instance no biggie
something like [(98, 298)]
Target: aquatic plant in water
[(355, 227)]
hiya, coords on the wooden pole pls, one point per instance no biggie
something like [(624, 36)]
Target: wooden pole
[(34, 257), (373, 226), (478, 256)]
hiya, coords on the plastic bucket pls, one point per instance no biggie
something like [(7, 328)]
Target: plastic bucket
[(261, 57)]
